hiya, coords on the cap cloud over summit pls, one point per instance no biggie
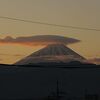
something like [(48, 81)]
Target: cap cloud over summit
[(39, 40)]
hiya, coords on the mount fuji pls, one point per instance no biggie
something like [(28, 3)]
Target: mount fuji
[(52, 53)]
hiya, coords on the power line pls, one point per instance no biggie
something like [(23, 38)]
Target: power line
[(56, 25)]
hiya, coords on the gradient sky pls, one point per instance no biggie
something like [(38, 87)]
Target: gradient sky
[(81, 13)]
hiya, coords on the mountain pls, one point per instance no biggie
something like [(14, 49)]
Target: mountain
[(53, 53)]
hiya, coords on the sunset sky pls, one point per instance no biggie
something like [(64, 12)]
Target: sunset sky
[(78, 13)]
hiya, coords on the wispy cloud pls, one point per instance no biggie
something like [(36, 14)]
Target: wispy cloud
[(0, 59), (95, 60), (17, 55), (39, 40)]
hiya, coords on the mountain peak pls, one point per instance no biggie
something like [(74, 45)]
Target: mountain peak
[(52, 53)]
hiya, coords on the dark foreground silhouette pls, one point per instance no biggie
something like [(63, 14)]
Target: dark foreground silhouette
[(72, 64), (56, 81)]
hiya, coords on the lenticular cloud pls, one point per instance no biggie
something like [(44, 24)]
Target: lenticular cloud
[(40, 40)]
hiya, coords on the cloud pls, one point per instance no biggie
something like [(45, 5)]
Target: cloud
[(0, 59), (39, 40), (17, 55), (95, 60)]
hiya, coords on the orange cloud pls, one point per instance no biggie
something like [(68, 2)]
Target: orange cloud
[(95, 60), (17, 55)]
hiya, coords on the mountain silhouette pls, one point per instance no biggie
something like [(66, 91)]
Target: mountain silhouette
[(53, 53)]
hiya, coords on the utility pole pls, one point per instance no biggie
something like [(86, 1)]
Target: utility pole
[(57, 91), (56, 95)]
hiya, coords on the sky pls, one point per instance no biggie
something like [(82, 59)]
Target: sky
[(78, 13)]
